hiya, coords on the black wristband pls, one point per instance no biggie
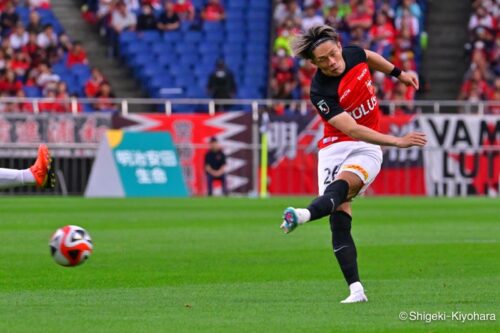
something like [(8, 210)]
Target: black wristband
[(395, 72)]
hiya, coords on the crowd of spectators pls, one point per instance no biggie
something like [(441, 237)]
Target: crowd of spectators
[(28, 52), (390, 27), (116, 16), (482, 79)]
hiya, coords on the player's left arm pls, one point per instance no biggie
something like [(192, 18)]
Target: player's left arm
[(377, 62)]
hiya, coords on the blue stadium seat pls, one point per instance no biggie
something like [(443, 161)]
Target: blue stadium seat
[(150, 37), (127, 37), (189, 59), (181, 108), (162, 48), (32, 92), (150, 70), (195, 92), (60, 69), (232, 53), (184, 48), (248, 93), (203, 71), (255, 51), (257, 17), (132, 49), (264, 5), (212, 27), (81, 70), (233, 46), (193, 36), (235, 38), (259, 38), (142, 59), (180, 70), (209, 48), (172, 36), (214, 37), (236, 4), (158, 82), (235, 26)]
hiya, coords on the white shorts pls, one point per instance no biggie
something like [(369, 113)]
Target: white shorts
[(360, 158)]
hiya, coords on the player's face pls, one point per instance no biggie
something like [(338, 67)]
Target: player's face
[(328, 58)]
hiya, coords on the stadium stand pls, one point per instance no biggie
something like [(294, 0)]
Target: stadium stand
[(176, 58), (37, 58), (482, 79), (390, 27)]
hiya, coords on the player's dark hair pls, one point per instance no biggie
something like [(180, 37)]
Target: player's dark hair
[(304, 44)]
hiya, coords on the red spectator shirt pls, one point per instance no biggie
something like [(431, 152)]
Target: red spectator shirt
[(19, 65), (183, 7), (306, 75), (379, 30), (76, 58), (352, 92), (283, 76), (483, 86), (213, 12), (10, 87), (92, 87)]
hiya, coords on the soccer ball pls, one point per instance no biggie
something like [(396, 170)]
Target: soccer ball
[(70, 245)]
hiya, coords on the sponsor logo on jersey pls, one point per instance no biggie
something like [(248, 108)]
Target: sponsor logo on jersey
[(364, 108), (362, 75), (323, 107), (344, 95), (370, 87)]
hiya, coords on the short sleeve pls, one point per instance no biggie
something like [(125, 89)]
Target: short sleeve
[(327, 107), (354, 55)]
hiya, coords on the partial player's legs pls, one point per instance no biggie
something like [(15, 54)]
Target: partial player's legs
[(40, 173), (358, 163), (334, 203), (224, 185), (210, 184), (344, 250), (346, 186)]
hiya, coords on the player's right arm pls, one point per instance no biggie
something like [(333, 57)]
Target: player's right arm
[(345, 123)]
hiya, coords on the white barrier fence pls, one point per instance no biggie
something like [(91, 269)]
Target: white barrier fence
[(210, 106)]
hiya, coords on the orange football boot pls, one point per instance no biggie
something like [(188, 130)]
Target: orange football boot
[(42, 169)]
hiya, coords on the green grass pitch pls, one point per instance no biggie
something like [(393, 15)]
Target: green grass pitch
[(223, 265)]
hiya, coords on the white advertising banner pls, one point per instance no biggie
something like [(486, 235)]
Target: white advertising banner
[(463, 154)]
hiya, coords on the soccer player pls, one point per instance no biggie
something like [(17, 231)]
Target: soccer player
[(349, 156), (40, 174)]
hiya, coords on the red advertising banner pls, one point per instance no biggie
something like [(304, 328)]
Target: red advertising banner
[(402, 170), (462, 156)]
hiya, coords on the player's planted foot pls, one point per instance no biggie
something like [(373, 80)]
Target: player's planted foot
[(357, 294), (355, 298), (290, 220), (42, 169)]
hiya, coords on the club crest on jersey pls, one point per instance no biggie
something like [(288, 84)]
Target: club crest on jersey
[(370, 87), (323, 107)]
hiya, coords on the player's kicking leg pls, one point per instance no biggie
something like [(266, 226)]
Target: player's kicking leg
[(41, 173), (335, 194), (333, 203)]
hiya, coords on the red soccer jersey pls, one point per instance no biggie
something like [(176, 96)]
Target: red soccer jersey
[(352, 92)]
